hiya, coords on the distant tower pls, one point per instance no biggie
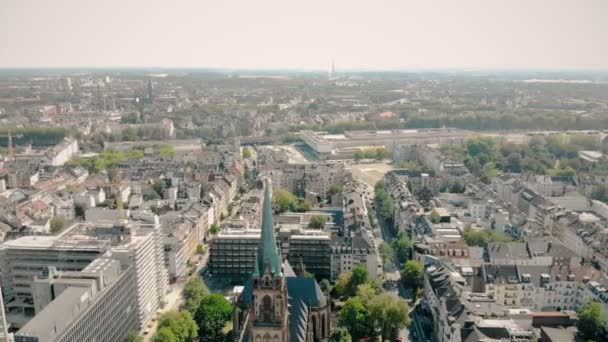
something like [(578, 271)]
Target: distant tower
[(332, 71), (11, 152), (150, 92)]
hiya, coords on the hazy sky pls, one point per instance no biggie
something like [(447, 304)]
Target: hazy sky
[(362, 34)]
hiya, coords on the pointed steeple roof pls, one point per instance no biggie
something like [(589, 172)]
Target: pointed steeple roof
[(267, 254)]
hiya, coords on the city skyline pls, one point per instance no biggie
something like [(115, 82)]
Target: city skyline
[(473, 34)]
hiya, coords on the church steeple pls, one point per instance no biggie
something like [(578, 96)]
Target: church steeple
[(268, 258)]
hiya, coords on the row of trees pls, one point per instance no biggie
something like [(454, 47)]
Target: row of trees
[(37, 136), (376, 153), (205, 315), (384, 201)]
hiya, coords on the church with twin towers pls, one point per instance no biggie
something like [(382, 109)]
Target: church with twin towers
[(278, 305)]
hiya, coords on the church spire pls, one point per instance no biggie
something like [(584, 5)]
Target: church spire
[(268, 255)]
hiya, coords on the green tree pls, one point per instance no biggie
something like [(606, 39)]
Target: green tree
[(474, 237), (386, 252), (348, 282), (434, 216), (194, 292), (388, 314), (366, 292), (57, 224), (283, 200), (212, 315), (159, 186), (360, 276), (325, 286), (402, 246), (79, 210), (457, 187), (165, 334), (134, 337), (354, 318), (334, 189), (246, 153), (317, 222), (590, 321), (412, 273), (301, 205), (215, 228), (180, 324), (340, 335), (200, 249)]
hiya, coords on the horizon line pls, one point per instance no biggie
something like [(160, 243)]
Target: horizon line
[(311, 70)]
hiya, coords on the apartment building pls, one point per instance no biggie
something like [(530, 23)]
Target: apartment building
[(96, 304)]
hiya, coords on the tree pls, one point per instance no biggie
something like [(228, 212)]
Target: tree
[(388, 314), (212, 315), (474, 237), (402, 246), (301, 205), (159, 186), (325, 286), (246, 153), (590, 321), (434, 216), (57, 224), (353, 317), (194, 292), (457, 188), (317, 222), (215, 228), (480, 238), (366, 292), (334, 189), (340, 335), (79, 210), (165, 335), (134, 337), (514, 162), (424, 196), (348, 282), (386, 252), (200, 249), (360, 276), (412, 272), (180, 324), (283, 200)]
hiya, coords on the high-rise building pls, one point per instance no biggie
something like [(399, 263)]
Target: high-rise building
[(96, 304), (135, 245), (4, 336)]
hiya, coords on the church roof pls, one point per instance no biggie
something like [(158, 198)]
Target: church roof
[(307, 290), (298, 320), (268, 253)]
